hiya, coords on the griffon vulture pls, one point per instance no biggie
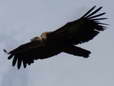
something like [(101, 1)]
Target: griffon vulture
[(61, 40)]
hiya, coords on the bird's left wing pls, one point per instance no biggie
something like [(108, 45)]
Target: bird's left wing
[(25, 53)]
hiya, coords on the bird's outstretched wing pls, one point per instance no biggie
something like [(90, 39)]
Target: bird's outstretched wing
[(83, 29), (26, 53)]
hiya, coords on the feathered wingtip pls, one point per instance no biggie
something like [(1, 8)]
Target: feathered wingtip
[(91, 15), (5, 51)]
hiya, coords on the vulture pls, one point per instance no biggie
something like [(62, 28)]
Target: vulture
[(65, 39)]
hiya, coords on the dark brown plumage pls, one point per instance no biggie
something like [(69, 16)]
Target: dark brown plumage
[(62, 40)]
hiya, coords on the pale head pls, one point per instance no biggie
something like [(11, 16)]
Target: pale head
[(44, 35)]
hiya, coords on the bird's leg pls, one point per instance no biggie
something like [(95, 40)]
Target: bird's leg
[(77, 51)]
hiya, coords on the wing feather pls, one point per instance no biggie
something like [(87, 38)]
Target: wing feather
[(94, 12)]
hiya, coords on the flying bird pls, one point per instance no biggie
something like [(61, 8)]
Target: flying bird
[(61, 40)]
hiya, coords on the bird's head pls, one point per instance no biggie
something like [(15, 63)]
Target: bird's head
[(44, 35)]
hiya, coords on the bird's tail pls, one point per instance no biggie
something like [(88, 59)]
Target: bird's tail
[(77, 51)]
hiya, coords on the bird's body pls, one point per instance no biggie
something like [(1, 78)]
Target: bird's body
[(63, 39)]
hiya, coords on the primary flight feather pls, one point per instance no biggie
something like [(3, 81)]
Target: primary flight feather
[(63, 39)]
